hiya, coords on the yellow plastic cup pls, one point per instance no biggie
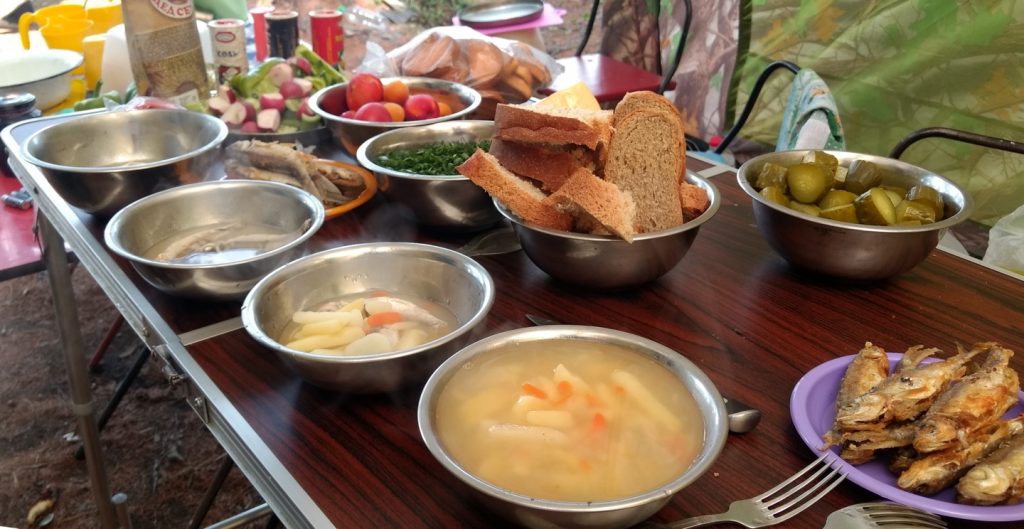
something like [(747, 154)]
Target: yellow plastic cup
[(92, 53), (66, 33), (104, 15), (43, 15)]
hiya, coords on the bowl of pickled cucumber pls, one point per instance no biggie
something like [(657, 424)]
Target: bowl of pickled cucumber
[(849, 215)]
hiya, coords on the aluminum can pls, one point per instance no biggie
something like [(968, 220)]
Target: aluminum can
[(282, 33), (328, 37), (228, 36), (259, 30)]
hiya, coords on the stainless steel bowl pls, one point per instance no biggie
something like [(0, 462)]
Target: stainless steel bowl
[(421, 271), (608, 262), (133, 231), (329, 103), (547, 514), (102, 162), (845, 250), (449, 202)]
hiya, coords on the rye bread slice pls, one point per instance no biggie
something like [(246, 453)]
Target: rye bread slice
[(521, 197), (584, 193), (646, 158), (553, 126), (551, 166)]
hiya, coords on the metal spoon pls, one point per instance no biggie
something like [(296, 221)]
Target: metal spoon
[(742, 417), (497, 241)]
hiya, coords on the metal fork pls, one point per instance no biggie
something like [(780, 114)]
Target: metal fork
[(779, 504), (880, 514)]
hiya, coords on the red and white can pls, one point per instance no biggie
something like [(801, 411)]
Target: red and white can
[(327, 35), (228, 36)]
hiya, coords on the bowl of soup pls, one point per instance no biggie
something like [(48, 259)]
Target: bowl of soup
[(572, 426), (369, 318)]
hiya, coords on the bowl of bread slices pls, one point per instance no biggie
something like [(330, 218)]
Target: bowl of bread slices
[(598, 198)]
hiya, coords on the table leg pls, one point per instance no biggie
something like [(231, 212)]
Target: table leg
[(81, 396)]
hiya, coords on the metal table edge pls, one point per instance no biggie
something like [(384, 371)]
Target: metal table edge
[(253, 457)]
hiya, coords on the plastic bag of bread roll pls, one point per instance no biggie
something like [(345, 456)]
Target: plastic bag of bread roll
[(502, 70)]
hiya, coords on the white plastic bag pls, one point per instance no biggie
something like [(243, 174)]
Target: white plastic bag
[(1006, 242), (502, 70)]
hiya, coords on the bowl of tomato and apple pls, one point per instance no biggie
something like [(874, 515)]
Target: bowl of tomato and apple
[(366, 106)]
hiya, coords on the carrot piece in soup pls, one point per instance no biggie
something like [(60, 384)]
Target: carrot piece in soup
[(383, 318), (530, 389), (598, 423)]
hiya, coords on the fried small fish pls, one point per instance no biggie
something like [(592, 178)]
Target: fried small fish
[(975, 401), (868, 368), (938, 470), (903, 396), (997, 479)]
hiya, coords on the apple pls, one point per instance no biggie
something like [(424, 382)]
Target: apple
[(373, 111), (363, 88), (421, 106)]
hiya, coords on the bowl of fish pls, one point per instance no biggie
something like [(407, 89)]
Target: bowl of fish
[(572, 426), (369, 318), (848, 215), (415, 167), (104, 161), (195, 240)]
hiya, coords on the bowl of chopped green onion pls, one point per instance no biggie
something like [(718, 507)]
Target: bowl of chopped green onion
[(415, 168)]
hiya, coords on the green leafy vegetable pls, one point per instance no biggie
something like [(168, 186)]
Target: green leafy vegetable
[(438, 159)]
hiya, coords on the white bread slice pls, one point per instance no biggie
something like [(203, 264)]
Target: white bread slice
[(518, 195), (551, 166), (645, 158), (603, 202), (553, 126)]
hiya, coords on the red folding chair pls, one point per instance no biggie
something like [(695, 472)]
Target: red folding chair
[(610, 79)]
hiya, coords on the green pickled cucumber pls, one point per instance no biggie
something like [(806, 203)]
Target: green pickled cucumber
[(775, 194), (771, 175), (827, 162), (930, 196), (807, 182), (844, 213), (915, 210), (809, 209), (835, 198), (861, 176), (894, 196), (875, 207)]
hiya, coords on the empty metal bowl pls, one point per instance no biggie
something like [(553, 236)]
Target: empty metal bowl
[(448, 202), (186, 214), (329, 103), (842, 249), (419, 271), (104, 161), (547, 514), (608, 262)]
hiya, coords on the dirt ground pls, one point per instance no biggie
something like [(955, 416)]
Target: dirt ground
[(157, 450)]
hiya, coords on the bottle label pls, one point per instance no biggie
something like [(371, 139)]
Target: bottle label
[(173, 8)]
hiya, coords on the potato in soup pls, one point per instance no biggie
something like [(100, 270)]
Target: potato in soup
[(569, 420)]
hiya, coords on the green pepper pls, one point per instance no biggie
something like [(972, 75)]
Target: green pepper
[(255, 82), (98, 102), (320, 67)]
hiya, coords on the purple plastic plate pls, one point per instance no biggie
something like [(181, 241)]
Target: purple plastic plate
[(813, 409)]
